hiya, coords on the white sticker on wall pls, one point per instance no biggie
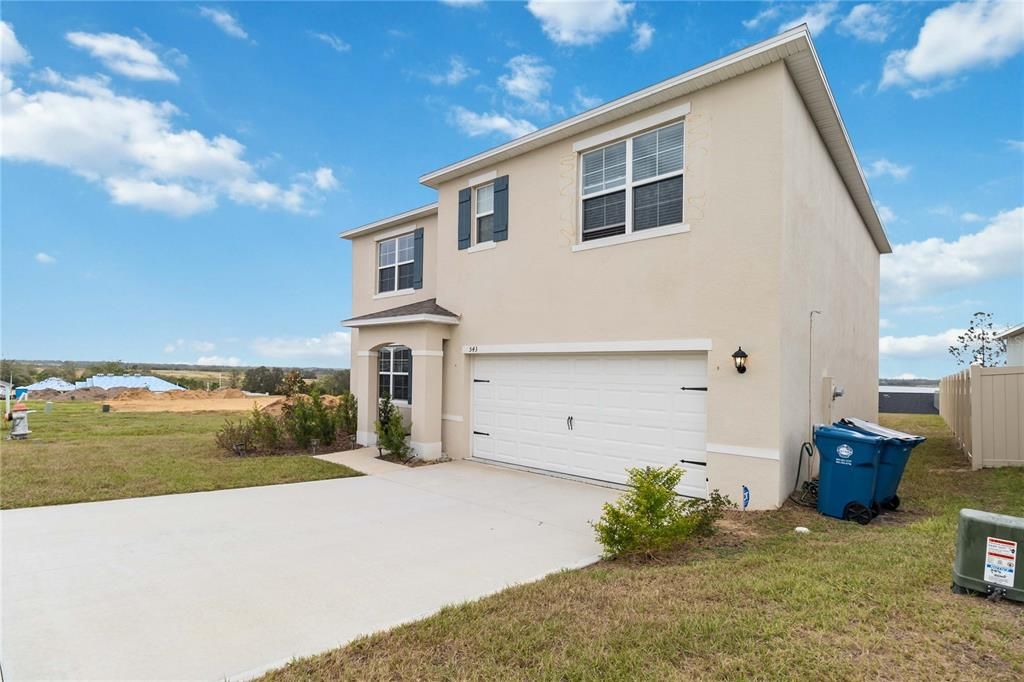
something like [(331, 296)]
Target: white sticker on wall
[(1000, 561)]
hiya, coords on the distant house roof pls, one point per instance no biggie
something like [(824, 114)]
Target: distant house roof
[(155, 384), (1011, 332), (421, 311), (52, 383)]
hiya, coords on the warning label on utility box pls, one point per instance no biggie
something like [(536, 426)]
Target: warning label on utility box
[(1000, 561)]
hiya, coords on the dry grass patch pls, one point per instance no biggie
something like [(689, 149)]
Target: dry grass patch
[(757, 601)]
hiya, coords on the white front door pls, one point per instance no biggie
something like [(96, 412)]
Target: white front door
[(594, 415)]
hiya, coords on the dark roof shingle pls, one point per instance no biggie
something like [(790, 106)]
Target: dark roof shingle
[(427, 307)]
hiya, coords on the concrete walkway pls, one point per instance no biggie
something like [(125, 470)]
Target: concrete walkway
[(364, 460), (231, 583)]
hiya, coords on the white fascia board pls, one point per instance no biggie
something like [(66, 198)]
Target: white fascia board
[(670, 345), (401, 319), (398, 219), (1011, 332)]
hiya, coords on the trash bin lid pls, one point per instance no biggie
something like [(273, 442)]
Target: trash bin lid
[(842, 433), (877, 429)]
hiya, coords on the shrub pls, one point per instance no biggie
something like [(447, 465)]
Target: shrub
[(299, 422), (236, 437), (391, 431), (651, 518), (266, 431), (346, 414)]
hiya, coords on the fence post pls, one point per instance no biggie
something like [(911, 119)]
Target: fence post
[(977, 443)]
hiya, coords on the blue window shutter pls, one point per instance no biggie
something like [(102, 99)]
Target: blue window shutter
[(465, 219), (417, 264), (501, 208)]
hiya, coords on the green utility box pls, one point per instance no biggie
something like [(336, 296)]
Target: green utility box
[(987, 551)]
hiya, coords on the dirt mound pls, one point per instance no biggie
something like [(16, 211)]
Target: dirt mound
[(276, 408), (91, 393)]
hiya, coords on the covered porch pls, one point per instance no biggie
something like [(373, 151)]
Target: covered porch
[(399, 352)]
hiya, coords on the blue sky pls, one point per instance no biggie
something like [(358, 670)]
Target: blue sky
[(174, 175)]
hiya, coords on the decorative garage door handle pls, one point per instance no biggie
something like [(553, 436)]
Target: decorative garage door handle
[(480, 433), (692, 461), (568, 423), (481, 381), (693, 388)]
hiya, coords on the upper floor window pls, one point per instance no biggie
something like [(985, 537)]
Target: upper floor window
[(396, 263), (635, 184), (485, 213)]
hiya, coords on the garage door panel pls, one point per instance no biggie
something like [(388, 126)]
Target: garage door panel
[(628, 411)]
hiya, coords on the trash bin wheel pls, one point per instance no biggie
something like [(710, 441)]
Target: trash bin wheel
[(875, 509), (893, 503), (855, 511), (957, 589)]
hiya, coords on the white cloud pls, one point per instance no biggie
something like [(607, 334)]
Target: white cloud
[(883, 323), (957, 38), (767, 14), (529, 81), (580, 23), (458, 71), (123, 55), (643, 36), (886, 167), (324, 179), (203, 346), (225, 21), (218, 360), (330, 345), (11, 51), (971, 217), (336, 43), (929, 90), (922, 344), (817, 17), (919, 268), (868, 22), (582, 100), (170, 348), (886, 214), (474, 124), (133, 148), (169, 198), (1015, 145), (907, 376), (45, 258)]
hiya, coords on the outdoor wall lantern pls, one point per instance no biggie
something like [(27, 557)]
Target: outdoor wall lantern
[(740, 358)]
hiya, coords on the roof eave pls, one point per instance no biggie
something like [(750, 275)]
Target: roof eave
[(390, 221)]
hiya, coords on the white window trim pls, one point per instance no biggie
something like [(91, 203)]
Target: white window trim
[(651, 233), (392, 294), (477, 215), (637, 128), (657, 120), (376, 286), (391, 374), (482, 246), (482, 179)]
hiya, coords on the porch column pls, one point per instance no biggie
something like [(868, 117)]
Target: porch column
[(364, 387), (427, 367)]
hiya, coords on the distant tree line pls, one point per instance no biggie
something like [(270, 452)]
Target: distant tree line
[(277, 381)]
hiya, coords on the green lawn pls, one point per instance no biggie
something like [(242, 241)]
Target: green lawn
[(78, 454), (757, 601)]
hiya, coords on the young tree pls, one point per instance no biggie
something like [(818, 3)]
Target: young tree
[(292, 383), (334, 383), (262, 379), (978, 344)]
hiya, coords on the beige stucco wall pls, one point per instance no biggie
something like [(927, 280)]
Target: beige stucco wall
[(723, 280), (829, 263), (364, 268)]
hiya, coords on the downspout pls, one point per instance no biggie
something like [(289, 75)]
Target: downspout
[(810, 355)]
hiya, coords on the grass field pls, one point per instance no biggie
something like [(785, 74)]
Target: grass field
[(757, 601), (78, 454)]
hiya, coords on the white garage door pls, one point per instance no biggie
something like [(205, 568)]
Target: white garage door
[(593, 415)]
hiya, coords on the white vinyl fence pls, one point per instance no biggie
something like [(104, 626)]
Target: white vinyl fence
[(983, 406)]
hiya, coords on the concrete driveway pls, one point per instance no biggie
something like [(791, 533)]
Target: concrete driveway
[(234, 582)]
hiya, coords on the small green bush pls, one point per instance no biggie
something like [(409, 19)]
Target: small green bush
[(236, 437), (346, 414), (391, 431), (266, 430), (652, 518)]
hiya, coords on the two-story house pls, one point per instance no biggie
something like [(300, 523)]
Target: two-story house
[(577, 299)]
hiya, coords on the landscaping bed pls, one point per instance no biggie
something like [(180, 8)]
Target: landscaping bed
[(754, 601), (76, 453)]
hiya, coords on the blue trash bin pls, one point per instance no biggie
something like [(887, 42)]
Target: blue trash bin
[(848, 469), (893, 460)]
